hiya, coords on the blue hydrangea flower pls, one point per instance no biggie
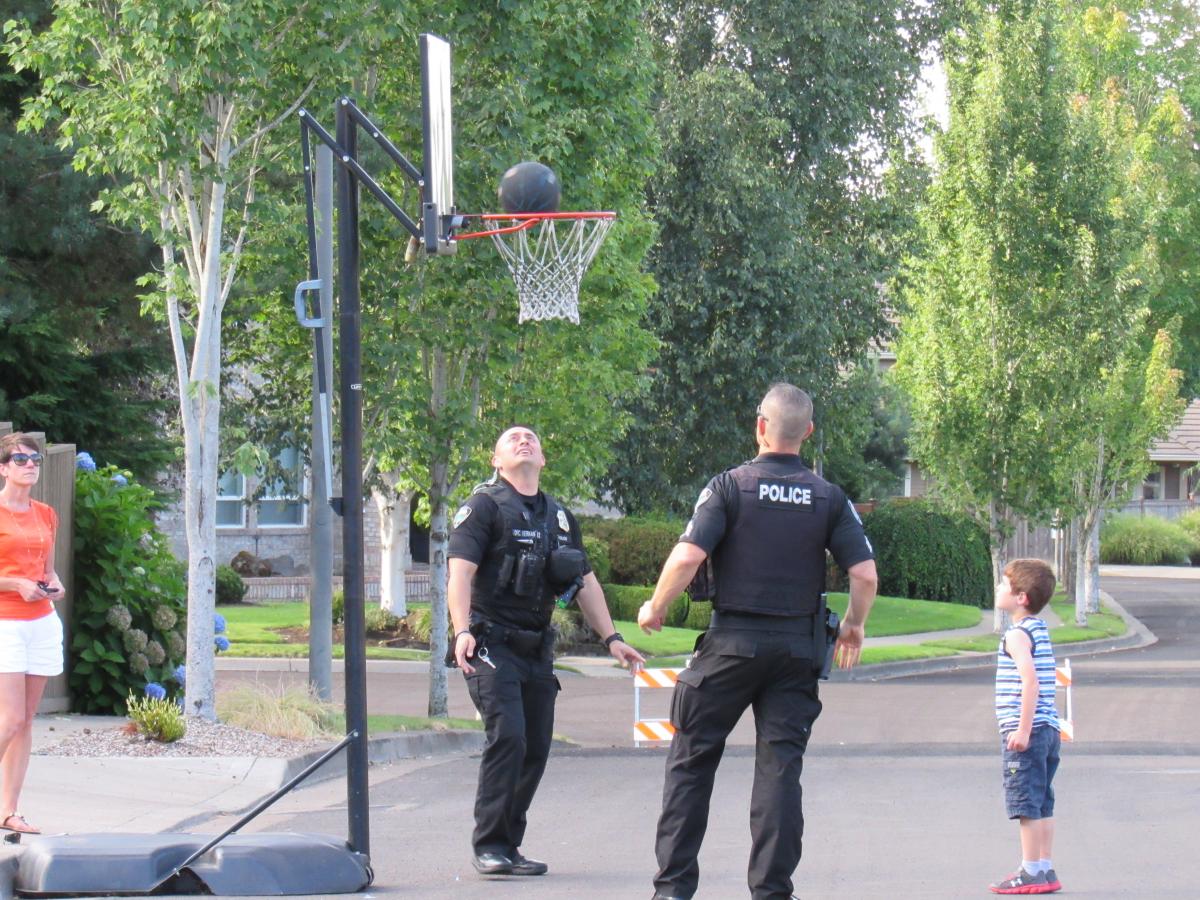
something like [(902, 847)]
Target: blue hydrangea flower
[(117, 477), (222, 642), (181, 673), (83, 460), (218, 623), (156, 691)]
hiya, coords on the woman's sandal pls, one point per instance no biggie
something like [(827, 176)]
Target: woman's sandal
[(24, 827)]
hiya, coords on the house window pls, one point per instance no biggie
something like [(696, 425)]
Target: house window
[(231, 494), (278, 507), (1152, 487)]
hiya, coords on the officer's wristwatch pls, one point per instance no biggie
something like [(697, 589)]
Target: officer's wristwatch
[(615, 636)]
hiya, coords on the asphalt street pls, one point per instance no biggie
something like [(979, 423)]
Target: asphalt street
[(902, 787)]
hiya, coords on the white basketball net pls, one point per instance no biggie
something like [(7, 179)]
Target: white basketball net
[(548, 260)]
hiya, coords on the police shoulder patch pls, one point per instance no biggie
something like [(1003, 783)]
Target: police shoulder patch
[(700, 501), (462, 515), (563, 523)]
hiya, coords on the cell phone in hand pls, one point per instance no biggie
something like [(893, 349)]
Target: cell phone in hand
[(47, 587)]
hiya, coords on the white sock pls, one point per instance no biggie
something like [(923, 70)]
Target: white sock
[(1032, 866), (1046, 865)]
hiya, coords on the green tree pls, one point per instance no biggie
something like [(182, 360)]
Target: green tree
[(178, 102), (80, 364), (446, 366), (1025, 284), (777, 221)]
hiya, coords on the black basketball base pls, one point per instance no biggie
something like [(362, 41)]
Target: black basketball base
[(84, 865)]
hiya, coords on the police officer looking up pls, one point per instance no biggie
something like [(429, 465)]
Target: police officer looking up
[(765, 526), (513, 551)]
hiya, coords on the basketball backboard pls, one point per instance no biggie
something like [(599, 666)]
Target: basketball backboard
[(438, 165)]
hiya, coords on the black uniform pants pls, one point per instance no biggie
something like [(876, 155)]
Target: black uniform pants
[(772, 671), (516, 700)]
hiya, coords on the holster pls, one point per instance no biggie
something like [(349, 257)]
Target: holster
[(832, 622)]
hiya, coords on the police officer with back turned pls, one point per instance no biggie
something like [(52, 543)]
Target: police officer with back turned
[(764, 526), (513, 552)]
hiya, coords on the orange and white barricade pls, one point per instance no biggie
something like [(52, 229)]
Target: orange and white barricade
[(651, 731), (1062, 679)]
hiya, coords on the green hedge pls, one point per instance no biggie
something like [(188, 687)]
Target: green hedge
[(230, 586), (924, 550), (1190, 522), (1128, 539), (624, 601), (637, 547), (597, 554)]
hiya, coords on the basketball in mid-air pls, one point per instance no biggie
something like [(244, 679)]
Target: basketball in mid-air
[(529, 187)]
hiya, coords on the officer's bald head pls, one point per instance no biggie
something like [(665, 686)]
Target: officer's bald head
[(788, 412)]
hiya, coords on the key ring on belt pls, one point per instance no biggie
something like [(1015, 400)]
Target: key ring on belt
[(484, 657)]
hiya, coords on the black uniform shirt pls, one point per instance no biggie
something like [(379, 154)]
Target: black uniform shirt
[(717, 507), (478, 529)]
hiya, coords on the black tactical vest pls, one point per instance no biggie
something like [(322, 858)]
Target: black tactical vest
[(492, 588), (771, 559)]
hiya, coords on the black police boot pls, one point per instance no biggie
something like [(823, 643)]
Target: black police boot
[(523, 865), (490, 863), (658, 896)]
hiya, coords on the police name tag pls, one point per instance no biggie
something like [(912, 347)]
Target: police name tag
[(778, 494)]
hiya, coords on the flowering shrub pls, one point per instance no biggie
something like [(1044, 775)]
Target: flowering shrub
[(130, 594)]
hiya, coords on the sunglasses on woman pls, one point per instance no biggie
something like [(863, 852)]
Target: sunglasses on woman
[(23, 459)]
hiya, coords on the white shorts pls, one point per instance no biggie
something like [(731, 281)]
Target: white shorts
[(32, 646)]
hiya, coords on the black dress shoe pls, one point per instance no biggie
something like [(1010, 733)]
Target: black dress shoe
[(523, 865), (488, 863)]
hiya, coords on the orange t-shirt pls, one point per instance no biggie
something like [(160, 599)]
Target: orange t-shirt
[(26, 539)]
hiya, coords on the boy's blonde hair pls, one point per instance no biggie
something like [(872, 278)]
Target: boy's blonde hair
[(1034, 579)]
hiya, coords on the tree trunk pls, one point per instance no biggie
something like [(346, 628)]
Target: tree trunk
[(200, 402), (394, 510), (1079, 567), (1092, 566), (1000, 618), (439, 538)]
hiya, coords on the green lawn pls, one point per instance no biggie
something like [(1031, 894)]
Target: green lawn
[(896, 615), (250, 629), (300, 651), (377, 725), (1100, 625)]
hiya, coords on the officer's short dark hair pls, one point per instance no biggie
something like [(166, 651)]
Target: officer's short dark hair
[(1034, 579), (791, 412)]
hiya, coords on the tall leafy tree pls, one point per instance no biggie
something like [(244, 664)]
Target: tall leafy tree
[(776, 225), (1026, 286), (80, 363), (178, 101), (446, 366)]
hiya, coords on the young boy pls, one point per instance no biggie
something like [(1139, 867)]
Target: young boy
[(1028, 722)]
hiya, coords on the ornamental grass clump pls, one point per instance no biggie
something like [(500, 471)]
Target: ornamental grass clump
[(292, 712), (1128, 539), (156, 717)]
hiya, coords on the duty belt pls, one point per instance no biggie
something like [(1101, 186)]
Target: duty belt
[(758, 622), (521, 641)]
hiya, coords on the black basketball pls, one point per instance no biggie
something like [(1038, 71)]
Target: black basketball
[(529, 187)]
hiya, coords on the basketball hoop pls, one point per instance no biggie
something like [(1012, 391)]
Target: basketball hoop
[(547, 255)]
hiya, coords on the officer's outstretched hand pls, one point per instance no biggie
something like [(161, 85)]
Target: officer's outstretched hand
[(650, 619), (464, 649), (849, 645), (626, 656)]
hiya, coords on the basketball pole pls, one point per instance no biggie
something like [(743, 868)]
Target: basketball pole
[(350, 177), (354, 621)]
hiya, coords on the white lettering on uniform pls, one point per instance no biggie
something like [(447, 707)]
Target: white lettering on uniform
[(777, 493)]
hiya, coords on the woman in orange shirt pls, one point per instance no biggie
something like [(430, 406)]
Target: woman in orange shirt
[(31, 634)]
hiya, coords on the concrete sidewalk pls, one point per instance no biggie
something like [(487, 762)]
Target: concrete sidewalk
[(91, 794)]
